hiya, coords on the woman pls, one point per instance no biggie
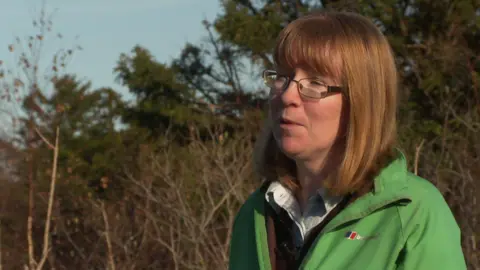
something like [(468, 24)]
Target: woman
[(337, 193)]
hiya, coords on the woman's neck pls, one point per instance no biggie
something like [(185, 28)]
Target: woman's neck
[(311, 175)]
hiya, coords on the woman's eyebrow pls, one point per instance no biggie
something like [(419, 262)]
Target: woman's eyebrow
[(317, 77), (322, 78)]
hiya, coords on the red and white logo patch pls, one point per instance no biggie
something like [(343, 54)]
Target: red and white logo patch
[(352, 235)]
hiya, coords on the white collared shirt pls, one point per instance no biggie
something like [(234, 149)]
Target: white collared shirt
[(316, 210)]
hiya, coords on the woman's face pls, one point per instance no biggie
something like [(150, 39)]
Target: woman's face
[(302, 127)]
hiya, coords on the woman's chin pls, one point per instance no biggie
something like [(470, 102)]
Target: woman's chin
[(291, 147)]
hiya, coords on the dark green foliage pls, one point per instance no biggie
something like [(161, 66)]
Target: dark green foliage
[(161, 101)]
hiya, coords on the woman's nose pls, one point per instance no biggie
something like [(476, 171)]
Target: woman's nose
[(291, 96)]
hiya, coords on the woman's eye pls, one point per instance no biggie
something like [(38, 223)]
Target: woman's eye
[(316, 83)]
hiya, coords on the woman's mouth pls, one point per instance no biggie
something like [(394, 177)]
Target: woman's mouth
[(287, 123)]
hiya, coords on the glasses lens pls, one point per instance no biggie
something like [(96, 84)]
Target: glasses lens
[(273, 80), (313, 88)]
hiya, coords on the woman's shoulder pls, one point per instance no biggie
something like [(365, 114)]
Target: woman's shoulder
[(431, 233), (397, 179), (425, 194), (254, 202), (428, 206)]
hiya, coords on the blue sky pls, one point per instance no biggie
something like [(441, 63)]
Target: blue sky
[(107, 28)]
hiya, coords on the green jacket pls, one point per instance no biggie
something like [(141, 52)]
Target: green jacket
[(404, 223)]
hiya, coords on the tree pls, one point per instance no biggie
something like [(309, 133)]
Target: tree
[(161, 101), (24, 84), (92, 151), (88, 121)]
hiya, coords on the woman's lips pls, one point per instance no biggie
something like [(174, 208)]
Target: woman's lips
[(288, 123)]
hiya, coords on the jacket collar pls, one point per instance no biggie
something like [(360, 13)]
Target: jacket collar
[(393, 176), (390, 186)]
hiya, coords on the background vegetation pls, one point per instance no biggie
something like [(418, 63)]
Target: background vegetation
[(91, 181)]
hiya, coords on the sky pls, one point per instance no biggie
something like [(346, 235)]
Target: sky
[(107, 28)]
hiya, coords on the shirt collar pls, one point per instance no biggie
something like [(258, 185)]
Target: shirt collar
[(281, 195)]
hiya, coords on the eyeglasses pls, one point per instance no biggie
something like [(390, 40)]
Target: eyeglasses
[(308, 87)]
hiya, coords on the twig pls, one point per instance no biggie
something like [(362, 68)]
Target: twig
[(217, 206), (31, 259), (46, 234), (50, 145), (74, 245), (172, 240), (1, 264), (417, 155), (111, 261), (417, 46)]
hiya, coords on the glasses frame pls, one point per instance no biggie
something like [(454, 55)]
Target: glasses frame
[(331, 89)]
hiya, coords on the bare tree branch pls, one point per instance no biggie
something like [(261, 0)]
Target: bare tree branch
[(46, 235), (49, 144), (111, 261), (417, 156), (1, 246)]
